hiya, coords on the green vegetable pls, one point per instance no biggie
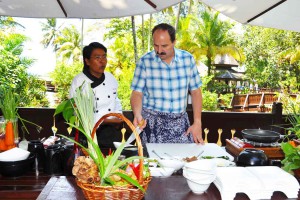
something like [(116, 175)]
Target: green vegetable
[(83, 105), (211, 157), (9, 104)]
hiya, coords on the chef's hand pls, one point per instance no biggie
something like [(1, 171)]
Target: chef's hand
[(196, 131), (140, 122)]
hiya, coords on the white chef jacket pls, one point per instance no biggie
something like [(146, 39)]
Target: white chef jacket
[(106, 98)]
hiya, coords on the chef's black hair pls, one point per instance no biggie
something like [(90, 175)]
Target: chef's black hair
[(87, 51)]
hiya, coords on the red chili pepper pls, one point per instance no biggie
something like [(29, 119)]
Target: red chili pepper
[(136, 170), (109, 151)]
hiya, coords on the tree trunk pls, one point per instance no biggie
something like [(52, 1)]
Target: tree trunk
[(190, 7), (150, 32), (134, 39), (143, 35), (178, 16)]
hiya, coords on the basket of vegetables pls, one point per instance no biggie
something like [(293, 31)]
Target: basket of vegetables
[(99, 176)]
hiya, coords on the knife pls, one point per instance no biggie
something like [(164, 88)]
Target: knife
[(132, 136)]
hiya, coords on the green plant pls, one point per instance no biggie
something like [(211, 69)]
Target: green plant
[(291, 159), (83, 119), (290, 149), (8, 104)]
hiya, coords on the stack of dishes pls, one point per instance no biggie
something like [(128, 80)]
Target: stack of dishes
[(200, 174)]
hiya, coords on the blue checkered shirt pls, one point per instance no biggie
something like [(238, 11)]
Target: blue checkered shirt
[(165, 87)]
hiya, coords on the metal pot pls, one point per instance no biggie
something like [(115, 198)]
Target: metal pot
[(252, 157), (263, 136)]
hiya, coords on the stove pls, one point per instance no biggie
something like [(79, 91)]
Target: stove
[(235, 145), (261, 144)]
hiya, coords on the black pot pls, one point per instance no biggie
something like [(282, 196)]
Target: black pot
[(130, 151), (53, 164), (252, 157), (16, 168)]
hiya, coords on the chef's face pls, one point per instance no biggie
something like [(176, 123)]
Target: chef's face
[(163, 45), (97, 62)]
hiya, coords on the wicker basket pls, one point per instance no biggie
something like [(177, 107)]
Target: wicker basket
[(93, 191)]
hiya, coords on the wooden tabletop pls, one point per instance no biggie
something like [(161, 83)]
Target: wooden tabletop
[(45, 187)]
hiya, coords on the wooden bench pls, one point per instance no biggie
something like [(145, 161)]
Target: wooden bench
[(268, 99), (238, 102), (254, 102)]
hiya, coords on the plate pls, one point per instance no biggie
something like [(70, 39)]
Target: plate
[(186, 150)]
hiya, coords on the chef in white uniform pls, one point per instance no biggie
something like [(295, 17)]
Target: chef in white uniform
[(105, 88)]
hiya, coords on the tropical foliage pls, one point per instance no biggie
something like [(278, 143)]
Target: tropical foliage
[(13, 69)]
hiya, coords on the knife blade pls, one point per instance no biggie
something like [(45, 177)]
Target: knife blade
[(132, 136)]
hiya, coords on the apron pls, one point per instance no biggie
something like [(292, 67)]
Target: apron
[(165, 127)]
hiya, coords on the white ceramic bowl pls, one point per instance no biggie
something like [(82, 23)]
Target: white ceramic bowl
[(160, 171), (203, 165), (14, 154), (196, 187), (171, 163), (199, 177)]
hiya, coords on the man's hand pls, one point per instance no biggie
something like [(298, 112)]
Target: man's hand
[(196, 131), (139, 121)]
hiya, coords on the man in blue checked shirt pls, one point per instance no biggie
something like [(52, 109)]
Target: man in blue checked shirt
[(162, 80)]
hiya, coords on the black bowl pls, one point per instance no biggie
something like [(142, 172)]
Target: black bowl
[(252, 157), (130, 151), (16, 168)]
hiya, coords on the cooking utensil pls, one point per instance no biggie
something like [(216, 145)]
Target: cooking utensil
[(206, 131), (132, 136), (264, 136), (172, 157), (219, 138), (157, 154)]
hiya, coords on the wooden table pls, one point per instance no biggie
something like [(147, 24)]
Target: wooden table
[(45, 187)]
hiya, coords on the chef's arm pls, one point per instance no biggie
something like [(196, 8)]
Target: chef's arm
[(136, 101)]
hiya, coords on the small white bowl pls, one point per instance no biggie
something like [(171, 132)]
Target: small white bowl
[(171, 163), (199, 177), (197, 188), (161, 171)]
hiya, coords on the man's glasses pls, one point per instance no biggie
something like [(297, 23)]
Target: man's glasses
[(99, 57)]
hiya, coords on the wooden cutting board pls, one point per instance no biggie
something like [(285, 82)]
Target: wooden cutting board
[(271, 152)]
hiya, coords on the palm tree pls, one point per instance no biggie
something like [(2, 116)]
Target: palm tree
[(8, 22), (69, 44), (212, 38), (51, 32)]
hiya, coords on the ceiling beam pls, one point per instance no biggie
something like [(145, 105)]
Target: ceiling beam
[(265, 11), (151, 4), (62, 8)]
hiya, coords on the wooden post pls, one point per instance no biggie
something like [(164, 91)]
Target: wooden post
[(277, 116)]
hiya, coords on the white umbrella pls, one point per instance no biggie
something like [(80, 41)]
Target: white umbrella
[(88, 9), (280, 14)]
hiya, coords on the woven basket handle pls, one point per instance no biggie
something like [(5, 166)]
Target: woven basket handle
[(137, 137)]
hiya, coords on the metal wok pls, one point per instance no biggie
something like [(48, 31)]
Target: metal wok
[(263, 136)]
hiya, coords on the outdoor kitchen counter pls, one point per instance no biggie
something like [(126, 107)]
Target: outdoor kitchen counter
[(61, 187)]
